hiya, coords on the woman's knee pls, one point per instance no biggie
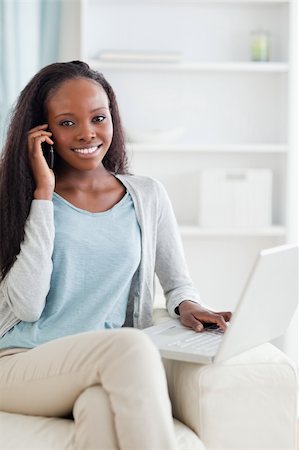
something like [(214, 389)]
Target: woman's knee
[(137, 348), (122, 350), (137, 340)]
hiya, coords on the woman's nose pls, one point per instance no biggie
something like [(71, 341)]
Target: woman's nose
[(86, 133)]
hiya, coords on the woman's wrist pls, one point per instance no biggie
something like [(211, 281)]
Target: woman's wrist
[(186, 302), (43, 194), (177, 309)]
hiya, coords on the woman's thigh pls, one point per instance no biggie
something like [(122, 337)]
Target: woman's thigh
[(48, 379)]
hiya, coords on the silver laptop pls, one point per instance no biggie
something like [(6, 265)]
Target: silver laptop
[(264, 311)]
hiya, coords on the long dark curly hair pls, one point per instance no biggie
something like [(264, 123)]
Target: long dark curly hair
[(16, 179)]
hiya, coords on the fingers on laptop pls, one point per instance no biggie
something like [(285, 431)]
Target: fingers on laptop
[(198, 321), (192, 322), (197, 317), (212, 318), (227, 315)]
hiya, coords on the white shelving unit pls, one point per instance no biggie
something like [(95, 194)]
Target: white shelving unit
[(269, 67), (193, 232), (209, 148), (234, 112)]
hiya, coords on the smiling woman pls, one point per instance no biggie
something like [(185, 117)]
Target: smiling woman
[(80, 246)]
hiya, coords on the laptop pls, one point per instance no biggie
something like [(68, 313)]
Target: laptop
[(264, 311)]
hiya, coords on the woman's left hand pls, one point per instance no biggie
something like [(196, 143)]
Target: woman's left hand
[(194, 316)]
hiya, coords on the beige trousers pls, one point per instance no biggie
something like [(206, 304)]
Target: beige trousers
[(75, 374)]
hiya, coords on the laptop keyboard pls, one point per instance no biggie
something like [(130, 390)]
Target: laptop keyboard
[(207, 341)]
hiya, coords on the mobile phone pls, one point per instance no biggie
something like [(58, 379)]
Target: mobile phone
[(48, 154)]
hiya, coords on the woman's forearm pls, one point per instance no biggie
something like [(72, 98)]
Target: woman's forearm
[(26, 285)]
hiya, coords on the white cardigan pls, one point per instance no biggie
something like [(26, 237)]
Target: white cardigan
[(24, 290)]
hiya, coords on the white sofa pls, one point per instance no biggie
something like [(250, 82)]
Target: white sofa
[(247, 403)]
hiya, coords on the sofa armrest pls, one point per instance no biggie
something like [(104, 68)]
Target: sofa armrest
[(248, 402)]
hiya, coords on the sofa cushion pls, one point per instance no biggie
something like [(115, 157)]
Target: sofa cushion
[(20, 432)]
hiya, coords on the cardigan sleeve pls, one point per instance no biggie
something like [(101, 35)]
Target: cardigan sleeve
[(25, 287), (171, 267)]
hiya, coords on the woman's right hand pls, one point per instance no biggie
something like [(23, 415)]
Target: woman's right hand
[(43, 175)]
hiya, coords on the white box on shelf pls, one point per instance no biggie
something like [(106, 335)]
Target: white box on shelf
[(235, 198)]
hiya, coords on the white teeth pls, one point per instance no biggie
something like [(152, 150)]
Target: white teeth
[(85, 150)]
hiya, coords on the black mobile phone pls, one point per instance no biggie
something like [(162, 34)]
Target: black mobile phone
[(48, 154)]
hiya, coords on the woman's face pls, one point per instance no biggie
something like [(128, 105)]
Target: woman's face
[(80, 120)]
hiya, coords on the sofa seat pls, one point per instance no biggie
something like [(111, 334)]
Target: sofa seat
[(46, 433)]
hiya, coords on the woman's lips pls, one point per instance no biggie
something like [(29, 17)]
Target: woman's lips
[(87, 150)]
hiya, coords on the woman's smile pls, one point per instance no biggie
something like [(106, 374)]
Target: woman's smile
[(88, 151)]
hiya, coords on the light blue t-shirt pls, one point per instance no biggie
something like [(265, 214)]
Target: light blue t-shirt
[(94, 260)]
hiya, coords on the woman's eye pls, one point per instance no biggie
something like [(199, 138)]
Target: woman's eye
[(98, 118), (66, 123)]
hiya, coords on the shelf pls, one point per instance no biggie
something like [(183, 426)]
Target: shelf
[(195, 231), (245, 67), (208, 148), (186, 2)]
